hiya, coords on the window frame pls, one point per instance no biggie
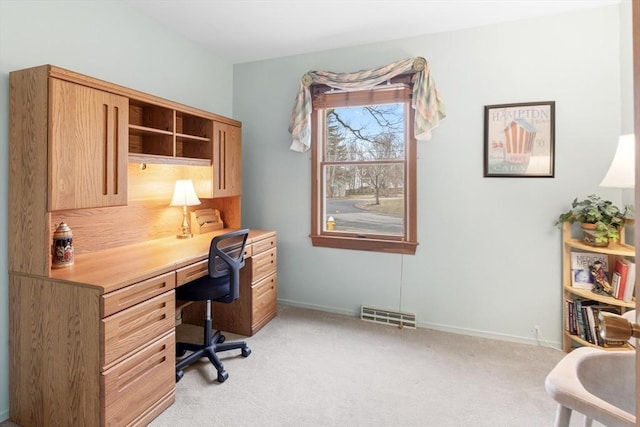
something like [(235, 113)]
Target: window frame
[(323, 99)]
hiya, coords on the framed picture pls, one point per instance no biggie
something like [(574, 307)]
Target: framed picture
[(519, 139)]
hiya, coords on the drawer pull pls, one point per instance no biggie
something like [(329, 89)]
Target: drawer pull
[(136, 372), (131, 295)]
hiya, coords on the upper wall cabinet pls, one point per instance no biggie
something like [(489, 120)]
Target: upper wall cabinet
[(88, 147), (68, 142), (227, 160), (72, 136)]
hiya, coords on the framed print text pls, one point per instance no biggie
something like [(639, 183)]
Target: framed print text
[(519, 139)]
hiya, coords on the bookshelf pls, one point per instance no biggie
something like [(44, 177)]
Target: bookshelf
[(613, 252)]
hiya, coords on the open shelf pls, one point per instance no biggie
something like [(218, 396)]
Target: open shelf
[(163, 135)]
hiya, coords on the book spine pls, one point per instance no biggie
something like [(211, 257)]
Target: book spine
[(615, 285), (592, 326), (579, 319), (621, 269), (586, 326), (631, 282)]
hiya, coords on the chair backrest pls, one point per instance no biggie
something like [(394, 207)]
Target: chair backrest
[(226, 258)]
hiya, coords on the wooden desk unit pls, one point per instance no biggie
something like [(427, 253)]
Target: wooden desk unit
[(93, 344)]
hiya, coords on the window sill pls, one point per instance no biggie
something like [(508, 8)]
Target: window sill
[(365, 244)]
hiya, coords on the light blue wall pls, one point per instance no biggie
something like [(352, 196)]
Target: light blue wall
[(107, 40), (489, 257)]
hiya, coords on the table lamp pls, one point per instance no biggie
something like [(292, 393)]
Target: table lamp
[(621, 173), (184, 195)]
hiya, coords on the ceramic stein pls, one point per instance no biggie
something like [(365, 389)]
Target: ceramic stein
[(62, 249)]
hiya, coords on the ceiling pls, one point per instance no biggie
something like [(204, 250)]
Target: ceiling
[(251, 30)]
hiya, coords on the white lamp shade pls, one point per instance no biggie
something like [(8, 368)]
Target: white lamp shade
[(184, 194), (622, 172)]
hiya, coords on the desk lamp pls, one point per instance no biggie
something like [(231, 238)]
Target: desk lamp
[(184, 195)]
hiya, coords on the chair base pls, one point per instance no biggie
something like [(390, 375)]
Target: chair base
[(212, 345)]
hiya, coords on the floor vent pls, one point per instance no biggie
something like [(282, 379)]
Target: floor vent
[(387, 317)]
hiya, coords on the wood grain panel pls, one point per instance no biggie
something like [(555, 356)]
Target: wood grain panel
[(192, 272), (227, 160), (264, 264), (155, 181), (148, 214), (155, 409), (29, 221), (54, 345), (264, 300), (124, 331), (264, 244), (135, 384), (106, 228), (127, 297), (88, 147)]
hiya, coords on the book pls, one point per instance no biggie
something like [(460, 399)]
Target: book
[(582, 322), (587, 324), (629, 290), (615, 284), (570, 320), (619, 278), (581, 265), (592, 319)]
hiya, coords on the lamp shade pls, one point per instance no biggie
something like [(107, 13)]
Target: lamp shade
[(621, 173), (184, 194)]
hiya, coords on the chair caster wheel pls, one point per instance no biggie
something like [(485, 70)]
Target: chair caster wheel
[(222, 376), (246, 352), (221, 339), (179, 375), (180, 352)]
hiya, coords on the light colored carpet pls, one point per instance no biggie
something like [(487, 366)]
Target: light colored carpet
[(310, 368)]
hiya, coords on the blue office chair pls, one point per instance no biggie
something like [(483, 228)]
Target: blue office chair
[(222, 284)]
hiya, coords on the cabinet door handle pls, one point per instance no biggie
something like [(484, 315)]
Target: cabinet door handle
[(110, 153), (116, 145), (105, 150), (222, 164)]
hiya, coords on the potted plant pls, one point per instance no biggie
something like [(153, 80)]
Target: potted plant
[(600, 219)]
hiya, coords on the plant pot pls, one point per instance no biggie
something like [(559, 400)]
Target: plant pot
[(589, 236)]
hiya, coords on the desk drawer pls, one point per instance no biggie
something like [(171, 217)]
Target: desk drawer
[(130, 329), (136, 384), (263, 245), (263, 264), (136, 293), (264, 299), (192, 272)]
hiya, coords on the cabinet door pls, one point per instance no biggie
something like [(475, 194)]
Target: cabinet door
[(88, 143), (227, 160)]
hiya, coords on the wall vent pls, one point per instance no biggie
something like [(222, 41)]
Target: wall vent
[(388, 317)]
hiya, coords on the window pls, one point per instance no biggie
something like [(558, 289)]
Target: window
[(364, 168)]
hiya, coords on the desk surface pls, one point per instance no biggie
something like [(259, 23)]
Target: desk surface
[(116, 268)]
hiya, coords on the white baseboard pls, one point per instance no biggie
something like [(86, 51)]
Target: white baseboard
[(434, 326)]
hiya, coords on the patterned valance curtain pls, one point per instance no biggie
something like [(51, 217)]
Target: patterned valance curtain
[(428, 106)]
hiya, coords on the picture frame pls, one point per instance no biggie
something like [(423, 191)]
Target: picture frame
[(519, 140)]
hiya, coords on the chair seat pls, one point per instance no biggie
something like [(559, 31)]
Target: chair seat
[(204, 289)]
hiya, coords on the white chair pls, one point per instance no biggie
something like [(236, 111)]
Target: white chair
[(597, 383)]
